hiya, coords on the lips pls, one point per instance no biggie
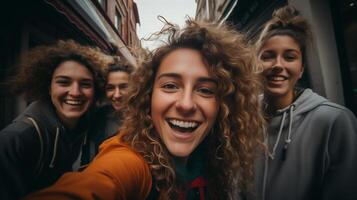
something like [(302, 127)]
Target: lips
[(184, 126), (73, 102), (276, 78)]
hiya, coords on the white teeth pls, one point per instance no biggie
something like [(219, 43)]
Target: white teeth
[(276, 78), (73, 102), (183, 124)]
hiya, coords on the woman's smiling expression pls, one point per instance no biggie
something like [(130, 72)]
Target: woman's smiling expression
[(282, 61), (72, 91), (184, 105), (117, 84)]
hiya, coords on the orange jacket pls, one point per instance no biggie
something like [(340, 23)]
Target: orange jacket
[(117, 172)]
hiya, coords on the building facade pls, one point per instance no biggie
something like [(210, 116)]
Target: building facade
[(332, 58), (108, 24)]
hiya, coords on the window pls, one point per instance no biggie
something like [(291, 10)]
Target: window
[(117, 20), (103, 3)]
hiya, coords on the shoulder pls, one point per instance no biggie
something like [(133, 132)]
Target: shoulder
[(19, 141), (123, 166), (112, 147), (119, 161), (18, 130), (333, 111), (338, 122), (104, 110)]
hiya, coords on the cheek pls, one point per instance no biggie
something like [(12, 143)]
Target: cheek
[(109, 94), (211, 109), (298, 69), (55, 91), (89, 93), (266, 65), (155, 104)]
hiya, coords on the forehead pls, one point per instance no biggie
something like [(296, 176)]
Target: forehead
[(118, 76), (281, 42), (184, 61), (72, 69)]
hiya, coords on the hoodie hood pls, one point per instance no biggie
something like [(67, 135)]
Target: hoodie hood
[(284, 119), (308, 100), (42, 114)]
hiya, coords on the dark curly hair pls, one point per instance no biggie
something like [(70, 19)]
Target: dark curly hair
[(237, 130), (118, 65), (37, 66)]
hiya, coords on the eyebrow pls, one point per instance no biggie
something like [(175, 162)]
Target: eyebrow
[(178, 76), (293, 50), (67, 77)]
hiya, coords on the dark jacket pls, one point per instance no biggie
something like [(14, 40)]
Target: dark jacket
[(106, 123), (20, 150), (313, 152)]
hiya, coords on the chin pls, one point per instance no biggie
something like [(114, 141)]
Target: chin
[(276, 92), (180, 151)]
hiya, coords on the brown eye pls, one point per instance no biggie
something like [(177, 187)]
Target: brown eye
[(170, 87), (87, 84), (62, 82), (123, 86), (267, 56), (109, 88), (206, 92), (290, 57)]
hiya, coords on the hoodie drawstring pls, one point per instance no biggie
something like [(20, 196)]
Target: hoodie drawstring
[(272, 155), (54, 149), (288, 139)]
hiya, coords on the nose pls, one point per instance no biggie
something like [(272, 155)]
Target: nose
[(278, 65), (186, 103), (75, 89), (117, 93)]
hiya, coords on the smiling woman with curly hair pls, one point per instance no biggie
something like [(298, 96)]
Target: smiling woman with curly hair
[(192, 124), (61, 81)]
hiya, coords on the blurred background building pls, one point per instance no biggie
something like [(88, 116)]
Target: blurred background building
[(332, 61), (107, 24)]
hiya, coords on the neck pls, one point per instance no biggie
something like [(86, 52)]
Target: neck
[(182, 161), (279, 102)]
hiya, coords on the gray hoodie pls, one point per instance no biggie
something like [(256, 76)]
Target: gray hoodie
[(312, 152)]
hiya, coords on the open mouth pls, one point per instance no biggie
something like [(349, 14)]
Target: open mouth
[(183, 126), (276, 78), (74, 102)]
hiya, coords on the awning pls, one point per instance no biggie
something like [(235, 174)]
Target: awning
[(85, 16)]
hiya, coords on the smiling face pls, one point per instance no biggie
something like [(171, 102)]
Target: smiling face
[(117, 84), (282, 61), (72, 91), (183, 103)]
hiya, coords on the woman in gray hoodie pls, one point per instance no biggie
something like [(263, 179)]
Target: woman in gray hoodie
[(311, 142)]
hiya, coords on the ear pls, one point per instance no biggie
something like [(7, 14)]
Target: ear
[(302, 71)]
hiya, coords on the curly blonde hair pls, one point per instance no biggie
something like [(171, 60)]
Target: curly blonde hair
[(37, 66), (237, 130)]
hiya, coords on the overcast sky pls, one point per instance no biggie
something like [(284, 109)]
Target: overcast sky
[(173, 10)]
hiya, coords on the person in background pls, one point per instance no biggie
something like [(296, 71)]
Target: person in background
[(192, 124), (46, 140), (312, 142), (109, 115)]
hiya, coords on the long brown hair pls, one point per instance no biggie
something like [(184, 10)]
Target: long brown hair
[(237, 130)]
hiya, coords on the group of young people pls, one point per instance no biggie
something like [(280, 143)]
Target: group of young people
[(193, 124)]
